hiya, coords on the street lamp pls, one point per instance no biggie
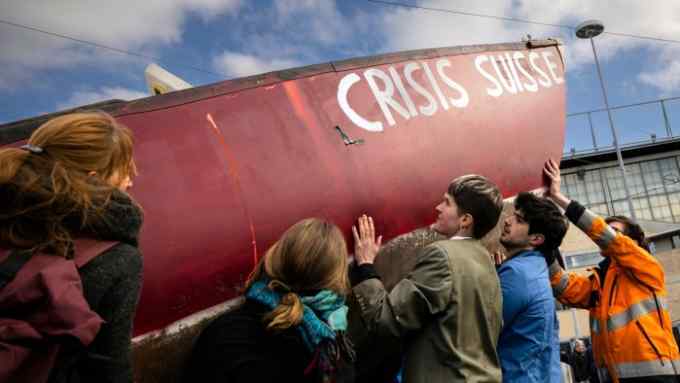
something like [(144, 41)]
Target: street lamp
[(588, 30)]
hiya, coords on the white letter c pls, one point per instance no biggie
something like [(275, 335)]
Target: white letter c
[(343, 90)]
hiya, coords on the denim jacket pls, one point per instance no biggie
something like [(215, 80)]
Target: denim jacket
[(528, 346)]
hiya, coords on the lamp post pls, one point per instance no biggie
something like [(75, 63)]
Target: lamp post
[(588, 30)]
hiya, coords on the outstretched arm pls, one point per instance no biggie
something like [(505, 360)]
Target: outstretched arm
[(425, 292), (627, 253), (554, 192)]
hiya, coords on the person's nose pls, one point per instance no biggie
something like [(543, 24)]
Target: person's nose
[(127, 183)]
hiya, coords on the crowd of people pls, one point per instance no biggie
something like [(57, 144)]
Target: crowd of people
[(71, 272)]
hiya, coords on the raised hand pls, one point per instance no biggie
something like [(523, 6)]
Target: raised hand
[(498, 257), (366, 246), (552, 171)]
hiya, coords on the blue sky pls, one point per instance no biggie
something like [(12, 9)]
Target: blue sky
[(234, 38)]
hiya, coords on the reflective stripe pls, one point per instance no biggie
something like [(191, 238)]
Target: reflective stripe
[(603, 374), (585, 222), (594, 326), (559, 288), (633, 312), (608, 235), (554, 268), (648, 368)]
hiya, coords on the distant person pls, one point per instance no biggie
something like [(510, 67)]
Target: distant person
[(581, 362), (448, 309), (64, 197), (291, 327), (529, 342), (626, 294)]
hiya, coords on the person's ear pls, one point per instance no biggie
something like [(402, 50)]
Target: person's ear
[(536, 240), (467, 220)]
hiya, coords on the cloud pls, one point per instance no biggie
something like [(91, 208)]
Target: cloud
[(234, 64), (126, 24), (322, 19), (290, 33), (293, 33), (299, 32), (406, 28), (105, 93), (666, 79)]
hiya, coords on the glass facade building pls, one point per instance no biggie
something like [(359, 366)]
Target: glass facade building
[(654, 185)]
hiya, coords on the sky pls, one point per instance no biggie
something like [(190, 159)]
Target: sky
[(207, 41)]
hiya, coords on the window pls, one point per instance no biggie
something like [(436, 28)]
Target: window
[(670, 174), (675, 203), (621, 208), (593, 186), (642, 210), (577, 189), (576, 261), (600, 208), (636, 185), (661, 208), (614, 183), (652, 177)]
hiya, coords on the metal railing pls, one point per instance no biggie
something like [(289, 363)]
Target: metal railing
[(653, 137)]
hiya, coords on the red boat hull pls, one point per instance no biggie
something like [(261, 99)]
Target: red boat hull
[(226, 168)]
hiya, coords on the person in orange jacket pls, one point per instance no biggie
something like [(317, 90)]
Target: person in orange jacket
[(626, 295)]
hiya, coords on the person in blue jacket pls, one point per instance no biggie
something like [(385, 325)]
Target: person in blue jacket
[(528, 346)]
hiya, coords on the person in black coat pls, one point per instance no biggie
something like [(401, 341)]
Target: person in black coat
[(292, 325)]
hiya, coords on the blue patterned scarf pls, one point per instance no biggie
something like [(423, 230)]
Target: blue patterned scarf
[(323, 326)]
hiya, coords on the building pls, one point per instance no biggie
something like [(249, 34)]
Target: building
[(653, 174)]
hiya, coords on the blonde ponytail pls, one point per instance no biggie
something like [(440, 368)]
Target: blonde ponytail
[(310, 256), (287, 314)]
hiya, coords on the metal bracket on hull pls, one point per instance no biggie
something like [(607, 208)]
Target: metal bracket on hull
[(346, 139)]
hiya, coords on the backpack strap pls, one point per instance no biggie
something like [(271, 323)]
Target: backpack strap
[(86, 249), (11, 266)]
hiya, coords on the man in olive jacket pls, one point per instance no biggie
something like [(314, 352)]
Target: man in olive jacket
[(448, 310)]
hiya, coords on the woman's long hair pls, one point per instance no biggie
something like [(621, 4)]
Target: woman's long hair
[(310, 256), (51, 187)]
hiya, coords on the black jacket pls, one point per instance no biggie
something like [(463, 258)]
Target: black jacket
[(111, 283), (236, 347)]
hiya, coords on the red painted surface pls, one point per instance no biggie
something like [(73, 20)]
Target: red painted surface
[(225, 169)]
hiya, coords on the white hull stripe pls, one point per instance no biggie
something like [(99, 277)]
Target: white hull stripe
[(634, 312), (648, 368), (190, 321)]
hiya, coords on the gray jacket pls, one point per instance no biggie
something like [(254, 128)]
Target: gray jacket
[(448, 310)]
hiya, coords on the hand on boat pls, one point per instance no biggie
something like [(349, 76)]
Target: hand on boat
[(366, 246), (552, 171), (498, 257)]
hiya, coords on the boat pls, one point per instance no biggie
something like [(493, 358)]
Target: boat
[(225, 168)]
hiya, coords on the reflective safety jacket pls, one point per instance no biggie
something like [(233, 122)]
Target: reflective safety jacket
[(629, 321)]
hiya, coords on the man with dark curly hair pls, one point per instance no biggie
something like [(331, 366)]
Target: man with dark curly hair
[(528, 346)]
